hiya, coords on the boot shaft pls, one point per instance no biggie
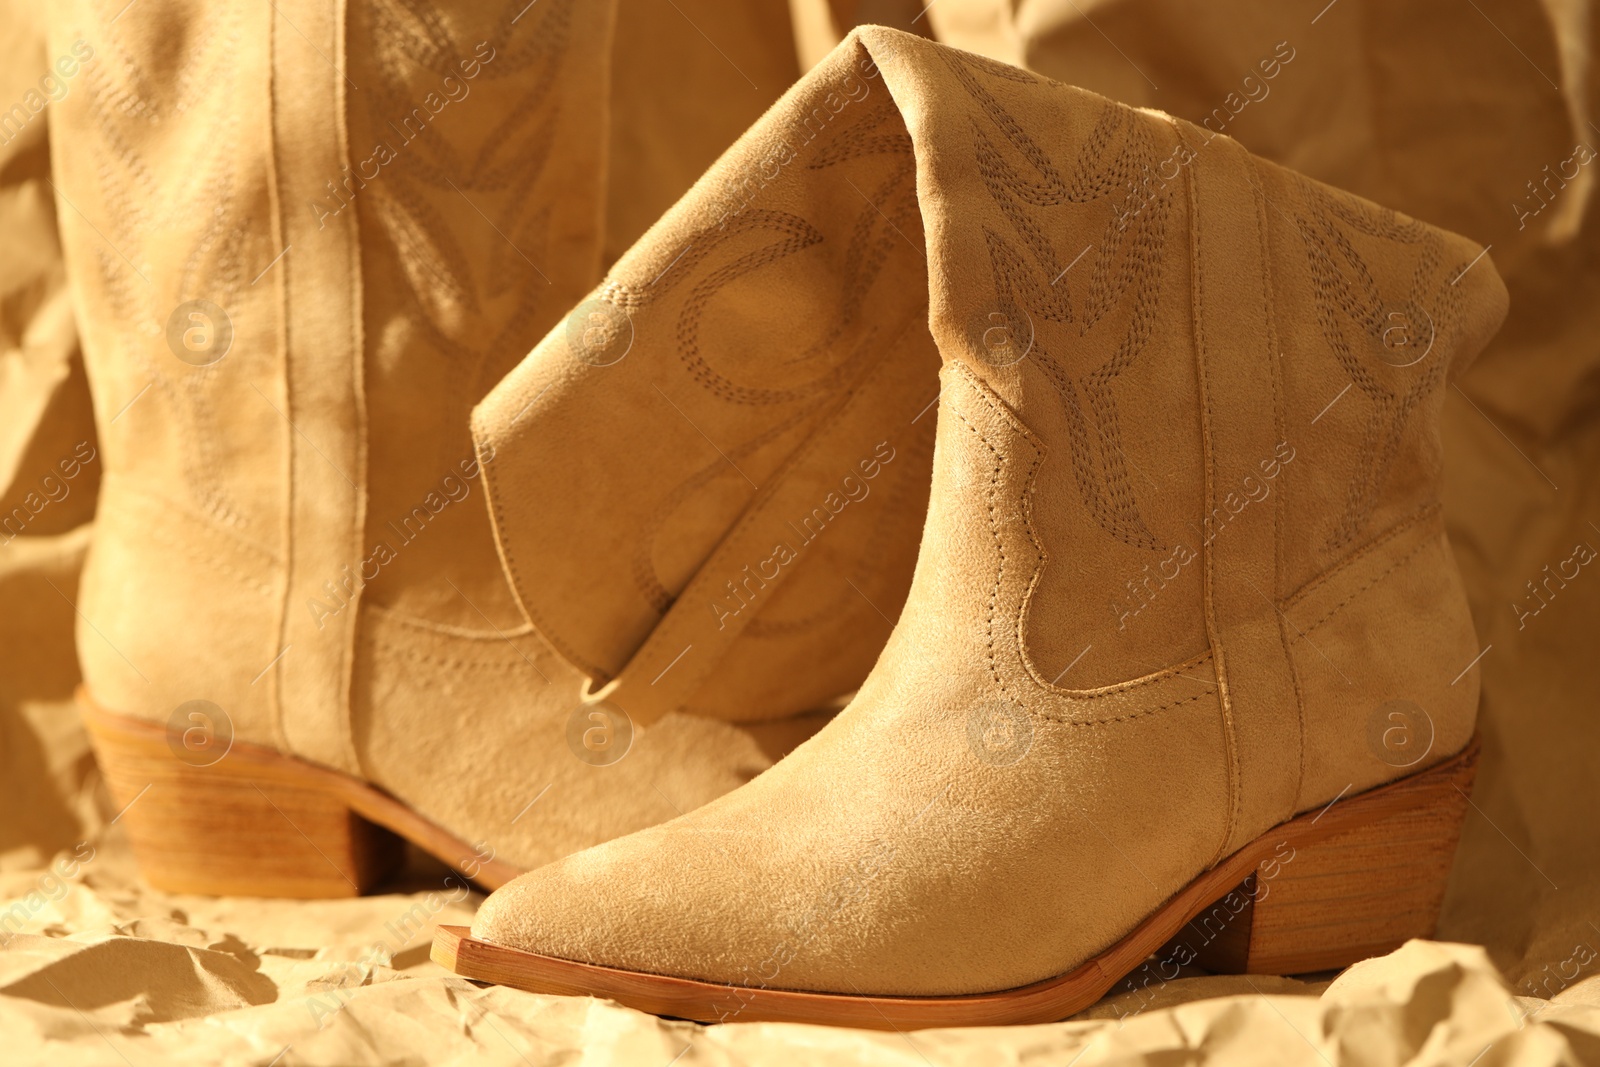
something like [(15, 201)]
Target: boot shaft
[(1191, 412), (394, 212)]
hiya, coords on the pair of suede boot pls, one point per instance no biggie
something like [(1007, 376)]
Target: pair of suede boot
[(1185, 666)]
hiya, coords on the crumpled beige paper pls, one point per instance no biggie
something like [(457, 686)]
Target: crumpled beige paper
[(104, 971)]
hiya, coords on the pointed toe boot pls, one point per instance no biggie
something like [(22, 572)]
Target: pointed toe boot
[(1186, 673)]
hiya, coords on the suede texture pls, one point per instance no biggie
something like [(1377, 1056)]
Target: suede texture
[(1176, 379), (294, 527), (751, 405)]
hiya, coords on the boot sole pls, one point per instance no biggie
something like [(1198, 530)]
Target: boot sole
[(1323, 890), (256, 822)]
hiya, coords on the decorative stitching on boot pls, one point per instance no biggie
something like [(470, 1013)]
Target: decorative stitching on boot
[(994, 533), (1096, 452), (668, 630), (1071, 697), (1425, 513), (1356, 293), (1396, 565), (1131, 715)]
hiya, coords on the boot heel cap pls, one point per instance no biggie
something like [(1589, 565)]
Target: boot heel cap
[(252, 823), (1371, 880)]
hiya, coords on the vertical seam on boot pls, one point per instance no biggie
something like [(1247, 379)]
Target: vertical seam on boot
[(1208, 463), (357, 309), (286, 525), (1275, 356)]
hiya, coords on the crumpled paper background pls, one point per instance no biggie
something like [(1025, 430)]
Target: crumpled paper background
[(1446, 109), (112, 973)]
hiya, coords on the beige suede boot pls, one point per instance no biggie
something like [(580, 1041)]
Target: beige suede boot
[(735, 429), (296, 632), (1186, 659)]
